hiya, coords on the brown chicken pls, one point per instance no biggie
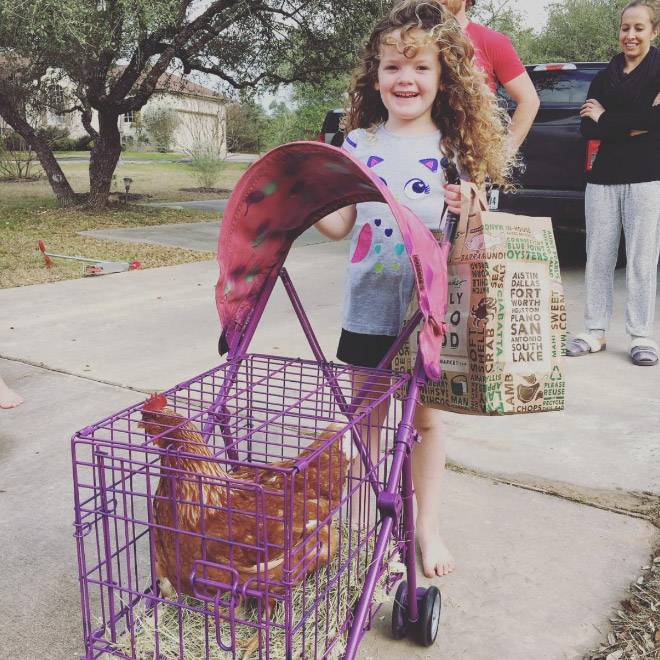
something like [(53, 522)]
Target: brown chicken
[(219, 517)]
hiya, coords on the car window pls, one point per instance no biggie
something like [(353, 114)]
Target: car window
[(331, 123), (558, 87)]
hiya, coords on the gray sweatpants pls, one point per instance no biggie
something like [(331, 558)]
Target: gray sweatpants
[(636, 208)]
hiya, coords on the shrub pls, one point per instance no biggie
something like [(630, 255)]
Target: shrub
[(17, 160), (53, 134), (13, 142), (161, 124), (207, 164), (84, 143), (65, 144)]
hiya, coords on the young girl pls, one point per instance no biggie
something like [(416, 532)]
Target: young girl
[(415, 98), (623, 111)]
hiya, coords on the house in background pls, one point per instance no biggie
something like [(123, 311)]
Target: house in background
[(200, 114)]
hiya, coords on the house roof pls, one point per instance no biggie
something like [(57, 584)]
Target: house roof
[(170, 82), (14, 61)]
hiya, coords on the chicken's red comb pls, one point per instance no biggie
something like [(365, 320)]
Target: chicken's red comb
[(155, 402)]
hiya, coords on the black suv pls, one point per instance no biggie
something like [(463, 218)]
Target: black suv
[(555, 155), (330, 131)]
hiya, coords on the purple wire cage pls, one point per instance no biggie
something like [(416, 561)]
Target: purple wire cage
[(274, 409), (257, 509)]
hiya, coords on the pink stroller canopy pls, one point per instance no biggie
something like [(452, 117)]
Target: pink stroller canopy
[(284, 193)]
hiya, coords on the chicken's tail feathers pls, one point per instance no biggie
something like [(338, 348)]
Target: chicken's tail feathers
[(348, 446), (345, 439), (155, 402)]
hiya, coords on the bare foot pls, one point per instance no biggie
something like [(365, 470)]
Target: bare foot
[(8, 398), (436, 558)]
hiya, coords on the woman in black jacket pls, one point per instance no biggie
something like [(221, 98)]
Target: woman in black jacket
[(623, 189)]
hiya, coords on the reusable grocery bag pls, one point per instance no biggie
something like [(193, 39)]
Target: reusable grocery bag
[(506, 319)]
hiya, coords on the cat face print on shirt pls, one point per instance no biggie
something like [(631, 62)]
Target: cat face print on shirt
[(382, 241)]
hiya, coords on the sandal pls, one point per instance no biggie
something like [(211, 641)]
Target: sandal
[(644, 352), (583, 344)]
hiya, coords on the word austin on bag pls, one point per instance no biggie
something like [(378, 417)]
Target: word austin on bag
[(503, 350)]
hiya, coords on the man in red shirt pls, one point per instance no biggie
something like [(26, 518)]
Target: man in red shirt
[(496, 56)]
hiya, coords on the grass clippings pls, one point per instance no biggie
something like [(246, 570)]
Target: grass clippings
[(23, 264), (213, 191), (26, 179), (198, 629), (635, 633), (151, 155)]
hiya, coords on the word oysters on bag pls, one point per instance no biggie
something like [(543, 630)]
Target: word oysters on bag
[(503, 351)]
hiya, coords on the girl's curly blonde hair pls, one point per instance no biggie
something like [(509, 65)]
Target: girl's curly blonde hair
[(472, 126)]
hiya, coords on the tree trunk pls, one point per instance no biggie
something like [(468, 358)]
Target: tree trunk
[(103, 160), (58, 182)]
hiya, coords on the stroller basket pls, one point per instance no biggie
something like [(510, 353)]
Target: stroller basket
[(263, 508), (277, 408)]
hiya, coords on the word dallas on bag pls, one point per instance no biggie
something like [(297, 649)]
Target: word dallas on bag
[(503, 351)]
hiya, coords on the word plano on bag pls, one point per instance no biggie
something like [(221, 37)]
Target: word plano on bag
[(506, 317)]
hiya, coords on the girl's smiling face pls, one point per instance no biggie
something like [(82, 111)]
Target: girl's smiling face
[(636, 33), (408, 82)]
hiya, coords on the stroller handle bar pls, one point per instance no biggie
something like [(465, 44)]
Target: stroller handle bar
[(451, 176)]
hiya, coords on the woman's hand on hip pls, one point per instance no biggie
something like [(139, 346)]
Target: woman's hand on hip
[(592, 109)]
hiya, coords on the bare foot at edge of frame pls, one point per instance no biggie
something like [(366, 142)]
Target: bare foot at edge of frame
[(9, 398)]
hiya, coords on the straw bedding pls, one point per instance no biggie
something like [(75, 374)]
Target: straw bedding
[(319, 631)]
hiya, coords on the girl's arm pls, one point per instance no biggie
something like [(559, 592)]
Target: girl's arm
[(337, 225)]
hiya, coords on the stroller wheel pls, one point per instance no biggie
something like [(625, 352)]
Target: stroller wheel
[(400, 622), (429, 616)]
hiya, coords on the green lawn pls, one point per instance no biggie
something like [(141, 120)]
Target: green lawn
[(151, 155), (29, 213)]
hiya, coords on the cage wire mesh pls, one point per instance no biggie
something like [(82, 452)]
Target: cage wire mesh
[(264, 462)]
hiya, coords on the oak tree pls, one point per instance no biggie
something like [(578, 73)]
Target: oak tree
[(109, 55)]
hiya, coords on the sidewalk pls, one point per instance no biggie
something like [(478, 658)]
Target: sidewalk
[(191, 235), (537, 575)]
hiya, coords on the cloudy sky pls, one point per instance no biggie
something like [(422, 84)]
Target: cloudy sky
[(533, 11)]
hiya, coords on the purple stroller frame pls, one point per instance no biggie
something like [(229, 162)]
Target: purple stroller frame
[(115, 465), (391, 504)]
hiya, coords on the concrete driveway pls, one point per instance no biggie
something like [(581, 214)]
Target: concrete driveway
[(547, 515)]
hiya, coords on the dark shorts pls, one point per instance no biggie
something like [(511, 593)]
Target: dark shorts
[(363, 350)]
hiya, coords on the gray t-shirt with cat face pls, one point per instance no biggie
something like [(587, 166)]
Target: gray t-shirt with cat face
[(379, 278)]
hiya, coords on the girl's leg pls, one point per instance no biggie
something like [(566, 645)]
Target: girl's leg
[(362, 504), (428, 466), (602, 207), (641, 225)]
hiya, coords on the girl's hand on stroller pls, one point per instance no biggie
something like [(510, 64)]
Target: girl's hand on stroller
[(453, 197), (337, 225)]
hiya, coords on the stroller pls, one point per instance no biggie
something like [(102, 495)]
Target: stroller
[(264, 507)]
